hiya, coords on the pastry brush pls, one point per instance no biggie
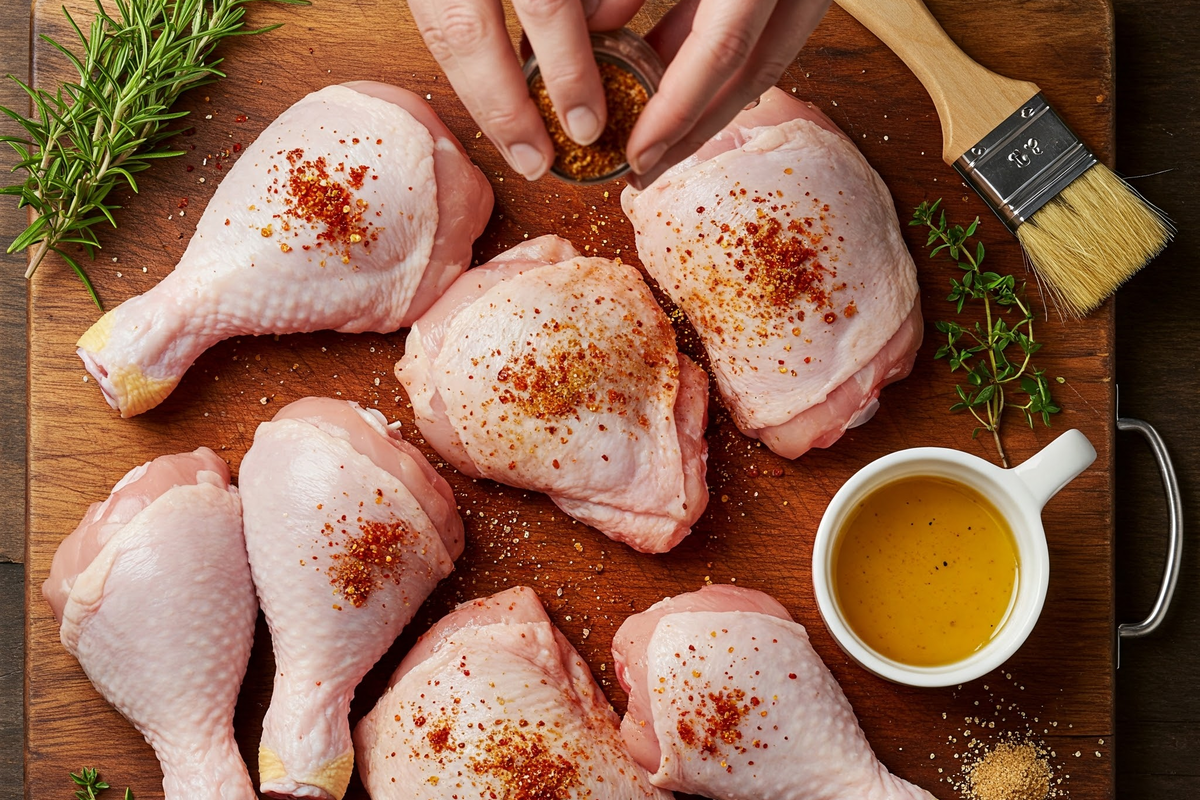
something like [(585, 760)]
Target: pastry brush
[(1083, 228)]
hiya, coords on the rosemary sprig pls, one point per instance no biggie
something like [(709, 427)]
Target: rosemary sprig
[(91, 785), (981, 349), (92, 136)]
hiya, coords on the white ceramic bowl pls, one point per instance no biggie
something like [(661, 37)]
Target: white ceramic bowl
[(1019, 494)]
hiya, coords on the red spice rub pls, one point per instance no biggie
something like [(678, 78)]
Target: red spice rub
[(368, 559), (761, 263), (558, 385), (561, 377), (439, 737), (718, 716), (521, 765), (315, 196), (781, 263)]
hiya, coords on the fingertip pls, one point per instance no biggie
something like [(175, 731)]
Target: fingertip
[(583, 125), (644, 162), (531, 162)]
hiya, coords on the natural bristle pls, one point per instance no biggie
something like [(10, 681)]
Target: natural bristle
[(1091, 238)]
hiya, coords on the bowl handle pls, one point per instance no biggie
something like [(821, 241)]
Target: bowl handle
[(1166, 590), (1056, 465)]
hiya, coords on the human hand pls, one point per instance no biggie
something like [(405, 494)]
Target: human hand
[(722, 56)]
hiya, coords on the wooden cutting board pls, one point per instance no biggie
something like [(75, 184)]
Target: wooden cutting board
[(759, 528)]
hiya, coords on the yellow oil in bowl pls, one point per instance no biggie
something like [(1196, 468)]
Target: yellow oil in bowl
[(925, 570)]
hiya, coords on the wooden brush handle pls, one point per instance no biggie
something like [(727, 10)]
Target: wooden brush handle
[(971, 100)]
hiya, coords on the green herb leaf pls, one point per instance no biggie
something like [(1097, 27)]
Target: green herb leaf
[(91, 137), (995, 368), (91, 786)]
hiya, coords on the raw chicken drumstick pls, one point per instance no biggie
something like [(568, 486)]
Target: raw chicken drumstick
[(354, 210), (727, 699), (493, 702), (154, 598), (550, 371), (781, 245), (348, 528)]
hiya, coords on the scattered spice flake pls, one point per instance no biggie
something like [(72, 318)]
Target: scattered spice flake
[(356, 176), (368, 559)]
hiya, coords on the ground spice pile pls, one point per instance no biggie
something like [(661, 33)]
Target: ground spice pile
[(559, 385), (782, 263), (719, 719), (366, 560), (520, 765), (315, 196), (1010, 771), (625, 97)]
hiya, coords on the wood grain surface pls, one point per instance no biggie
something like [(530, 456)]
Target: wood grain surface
[(1062, 680), (14, 58)]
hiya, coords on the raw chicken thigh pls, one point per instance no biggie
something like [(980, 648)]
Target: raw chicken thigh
[(727, 699), (154, 598), (354, 210), (493, 702), (550, 371), (348, 529), (781, 245)]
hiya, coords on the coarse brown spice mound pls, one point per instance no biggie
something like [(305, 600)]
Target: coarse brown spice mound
[(1010, 771)]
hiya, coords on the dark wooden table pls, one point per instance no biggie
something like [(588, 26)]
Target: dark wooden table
[(1158, 361)]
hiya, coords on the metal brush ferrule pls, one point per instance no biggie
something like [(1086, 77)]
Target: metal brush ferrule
[(1025, 162)]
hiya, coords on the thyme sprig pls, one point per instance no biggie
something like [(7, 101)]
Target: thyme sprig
[(91, 785), (982, 349), (90, 137)]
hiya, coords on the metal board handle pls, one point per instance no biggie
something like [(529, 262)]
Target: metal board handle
[(1166, 591)]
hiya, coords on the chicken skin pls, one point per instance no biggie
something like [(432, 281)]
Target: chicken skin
[(348, 529), (494, 702), (154, 598), (549, 371), (727, 699), (353, 211), (781, 245)]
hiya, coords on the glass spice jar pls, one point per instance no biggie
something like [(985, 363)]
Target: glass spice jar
[(631, 71)]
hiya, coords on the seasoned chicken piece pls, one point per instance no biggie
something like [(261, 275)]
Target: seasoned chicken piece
[(154, 598), (781, 245), (550, 371), (348, 530), (354, 210), (493, 702), (727, 699)]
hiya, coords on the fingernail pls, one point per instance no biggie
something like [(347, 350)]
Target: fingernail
[(649, 157), (528, 160), (583, 125)]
